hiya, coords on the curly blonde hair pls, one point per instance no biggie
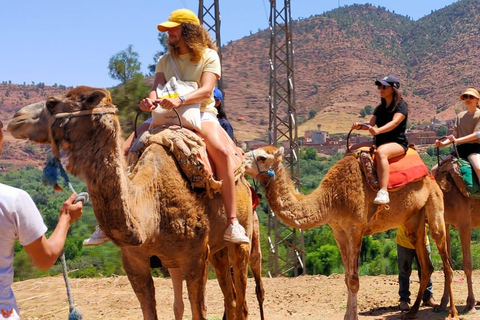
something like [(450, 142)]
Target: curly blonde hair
[(197, 40)]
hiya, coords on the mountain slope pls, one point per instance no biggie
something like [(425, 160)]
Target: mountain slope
[(338, 55)]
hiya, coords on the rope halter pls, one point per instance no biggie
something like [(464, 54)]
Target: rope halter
[(269, 172)]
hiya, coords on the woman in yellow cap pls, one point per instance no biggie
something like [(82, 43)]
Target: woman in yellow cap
[(196, 59), (466, 131)]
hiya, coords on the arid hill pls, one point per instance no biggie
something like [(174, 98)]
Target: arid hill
[(338, 55)]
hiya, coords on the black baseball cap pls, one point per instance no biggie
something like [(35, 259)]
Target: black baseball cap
[(389, 81)]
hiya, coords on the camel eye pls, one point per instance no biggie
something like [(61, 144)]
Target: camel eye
[(261, 158)]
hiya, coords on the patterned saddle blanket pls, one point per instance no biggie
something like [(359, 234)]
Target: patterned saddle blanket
[(190, 152), (462, 174), (403, 170)]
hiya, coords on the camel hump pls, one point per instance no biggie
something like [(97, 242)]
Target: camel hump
[(403, 170), (190, 152)]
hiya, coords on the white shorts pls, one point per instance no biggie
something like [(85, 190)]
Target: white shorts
[(208, 116)]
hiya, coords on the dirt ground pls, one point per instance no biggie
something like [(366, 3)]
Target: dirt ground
[(301, 298)]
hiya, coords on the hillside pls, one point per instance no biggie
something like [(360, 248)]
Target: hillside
[(338, 55)]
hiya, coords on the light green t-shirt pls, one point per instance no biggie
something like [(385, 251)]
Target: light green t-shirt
[(191, 71)]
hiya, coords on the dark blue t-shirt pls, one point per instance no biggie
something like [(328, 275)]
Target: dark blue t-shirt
[(384, 116), (226, 126)]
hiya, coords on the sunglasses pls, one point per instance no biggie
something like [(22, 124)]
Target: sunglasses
[(467, 96), (381, 86)]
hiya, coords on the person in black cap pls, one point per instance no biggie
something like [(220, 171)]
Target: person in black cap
[(388, 125)]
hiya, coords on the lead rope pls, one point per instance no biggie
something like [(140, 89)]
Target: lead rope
[(50, 176)]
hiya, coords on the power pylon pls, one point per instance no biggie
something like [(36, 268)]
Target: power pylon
[(283, 127), (209, 16)]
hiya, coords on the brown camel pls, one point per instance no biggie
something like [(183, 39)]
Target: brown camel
[(463, 214), (344, 201), (151, 211)]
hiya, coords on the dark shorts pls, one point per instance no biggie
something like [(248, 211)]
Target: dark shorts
[(466, 149)]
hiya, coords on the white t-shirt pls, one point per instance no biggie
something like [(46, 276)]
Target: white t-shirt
[(19, 220)]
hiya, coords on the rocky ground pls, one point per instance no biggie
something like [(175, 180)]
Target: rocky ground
[(301, 298)]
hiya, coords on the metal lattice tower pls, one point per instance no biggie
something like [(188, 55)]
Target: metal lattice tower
[(283, 127), (282, 124), (209, 16)]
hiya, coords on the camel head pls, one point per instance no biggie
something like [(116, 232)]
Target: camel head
[(63, 120), (30, 122), (260, 162)]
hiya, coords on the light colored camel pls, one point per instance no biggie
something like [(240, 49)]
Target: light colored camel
[(151, 211), (344, 201), (463, 214)]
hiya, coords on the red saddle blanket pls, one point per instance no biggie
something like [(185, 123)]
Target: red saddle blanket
[(403, 169)]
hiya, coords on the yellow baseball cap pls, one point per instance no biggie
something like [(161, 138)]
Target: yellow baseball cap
[(178, 17)]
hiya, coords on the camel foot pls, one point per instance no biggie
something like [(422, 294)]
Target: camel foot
[(469, 310), (440, 308), (410, 315)]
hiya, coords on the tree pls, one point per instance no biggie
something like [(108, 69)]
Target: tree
[(124, 65), (442, 131), (163, 40)]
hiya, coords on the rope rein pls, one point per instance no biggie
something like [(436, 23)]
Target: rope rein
[(99, 110)]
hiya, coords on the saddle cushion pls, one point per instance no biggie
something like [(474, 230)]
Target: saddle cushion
[(405, 169)]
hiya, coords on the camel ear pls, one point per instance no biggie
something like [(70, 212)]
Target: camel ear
[(50, 103), (279, 151), (94, 98)]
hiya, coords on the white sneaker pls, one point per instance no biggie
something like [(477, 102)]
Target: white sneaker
[(382, 197), (97, 238), (235, 233)]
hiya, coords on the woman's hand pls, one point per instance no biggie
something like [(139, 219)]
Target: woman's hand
[(445, 141), (147, 104), (355, 126), (360, 126), (169, 103)]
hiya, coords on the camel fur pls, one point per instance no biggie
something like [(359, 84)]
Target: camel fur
[(153, 211), (463, 214), (344, 201)]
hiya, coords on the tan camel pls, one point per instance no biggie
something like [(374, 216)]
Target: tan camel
[(463, 214), (344, 201), (152, 211)]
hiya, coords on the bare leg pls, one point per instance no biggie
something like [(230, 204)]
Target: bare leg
[(223, 167), (474, 159), (382, 154)]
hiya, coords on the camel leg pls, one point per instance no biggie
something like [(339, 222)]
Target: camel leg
[(195, 272), (437, 231), (239, 256), (256, 264), (221, 263), (446, 294), (350, 251), (417, 239), (138, 273), (465, 236), (177, 281)]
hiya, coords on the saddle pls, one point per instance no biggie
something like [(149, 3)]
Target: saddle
[(189, 150), (403, 169), (463, 176)]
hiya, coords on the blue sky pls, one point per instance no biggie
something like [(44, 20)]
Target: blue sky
[(70, 42)]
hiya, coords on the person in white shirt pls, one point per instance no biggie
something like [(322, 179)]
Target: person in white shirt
[(20, 220)]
